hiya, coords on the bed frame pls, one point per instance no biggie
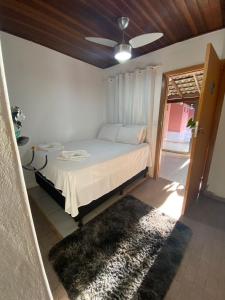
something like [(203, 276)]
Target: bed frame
[(49, 187)]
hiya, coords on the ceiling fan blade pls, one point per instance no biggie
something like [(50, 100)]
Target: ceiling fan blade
[(102, 41), (144, 39)]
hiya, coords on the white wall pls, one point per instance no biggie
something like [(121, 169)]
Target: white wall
[(187, 53), (216, 181), (22, 274), (61, 97)]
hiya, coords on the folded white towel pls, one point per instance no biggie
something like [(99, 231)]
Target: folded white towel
[(50, 147), (75, 155)]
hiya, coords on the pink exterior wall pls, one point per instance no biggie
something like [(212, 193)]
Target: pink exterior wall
[(175, 119), (184, 119), (179, 114)]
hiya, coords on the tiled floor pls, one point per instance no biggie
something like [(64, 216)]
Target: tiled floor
[(201, 275), (174, 167)]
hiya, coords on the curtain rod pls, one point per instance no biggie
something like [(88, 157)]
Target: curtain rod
[(149, 66), (155, 66)]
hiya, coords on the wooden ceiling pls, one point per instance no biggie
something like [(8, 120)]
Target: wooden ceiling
[(62, 24)]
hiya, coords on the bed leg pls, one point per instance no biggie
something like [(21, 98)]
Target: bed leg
[(80, 223)]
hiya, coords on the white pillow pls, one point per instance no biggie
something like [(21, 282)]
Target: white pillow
[(131, 135), (109, 132), (143, 132)]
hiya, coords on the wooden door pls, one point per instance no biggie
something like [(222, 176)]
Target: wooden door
[(205, 116)]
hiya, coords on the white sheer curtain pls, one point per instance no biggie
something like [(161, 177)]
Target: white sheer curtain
[(128, 97), (132, 99)]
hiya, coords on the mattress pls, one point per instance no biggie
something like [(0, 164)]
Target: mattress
[(108, 166)]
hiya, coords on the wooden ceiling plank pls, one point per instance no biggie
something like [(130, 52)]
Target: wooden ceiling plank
[(71, 21), (181, 22), (135, 19), (155, 18), (197, 14), (197, 83), (56, 25), (182, 5), (52, 37), (110, 9), (212, 9), (40, 17), (143, 26), (96, 7), (82, 26)]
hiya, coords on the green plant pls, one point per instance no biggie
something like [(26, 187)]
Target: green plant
[(18, 117), (191, 123)]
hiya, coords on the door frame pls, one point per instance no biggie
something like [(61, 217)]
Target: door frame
[(162, 110)]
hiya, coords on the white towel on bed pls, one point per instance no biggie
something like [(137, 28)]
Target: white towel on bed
[(74, 155), (49, 147)]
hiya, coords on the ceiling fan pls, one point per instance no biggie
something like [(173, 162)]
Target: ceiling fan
[(123, 50)]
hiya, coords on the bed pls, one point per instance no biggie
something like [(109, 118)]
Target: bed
[(78, 184)]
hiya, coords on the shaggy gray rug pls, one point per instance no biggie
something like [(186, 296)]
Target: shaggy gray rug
[(130, 251)]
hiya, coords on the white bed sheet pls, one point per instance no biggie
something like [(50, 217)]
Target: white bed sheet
[(109, 165)]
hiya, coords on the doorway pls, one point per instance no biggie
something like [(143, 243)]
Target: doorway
[(182, 97), (210, 89)]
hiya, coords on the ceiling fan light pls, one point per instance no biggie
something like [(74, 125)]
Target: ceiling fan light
[(123, 53)]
